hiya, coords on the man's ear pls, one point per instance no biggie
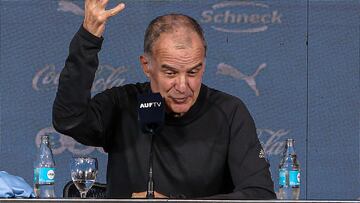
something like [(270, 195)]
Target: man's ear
[(145, 64)]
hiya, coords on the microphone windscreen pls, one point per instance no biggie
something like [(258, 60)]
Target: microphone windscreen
[(151, 110)]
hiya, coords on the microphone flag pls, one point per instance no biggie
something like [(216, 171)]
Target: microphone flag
[(151, 110)]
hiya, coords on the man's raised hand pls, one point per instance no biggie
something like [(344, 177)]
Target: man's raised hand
[(96, 15)]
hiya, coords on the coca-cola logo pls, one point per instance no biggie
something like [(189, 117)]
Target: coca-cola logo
[(272, 140), (59, 143), (47, 78)]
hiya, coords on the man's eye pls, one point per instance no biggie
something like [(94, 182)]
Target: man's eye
[(193, 72), (169, 73)]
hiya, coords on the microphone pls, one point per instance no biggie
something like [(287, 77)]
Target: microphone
[(151, 111), (151, 118)]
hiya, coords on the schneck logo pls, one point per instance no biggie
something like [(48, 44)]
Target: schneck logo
[(241, 17)]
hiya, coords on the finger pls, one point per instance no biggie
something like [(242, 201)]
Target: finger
[(116, 9), (138, 195), (92, 2), (89, 2), (159, 195), (103, 3)]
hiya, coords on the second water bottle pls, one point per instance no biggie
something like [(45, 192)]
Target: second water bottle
[(289, 173)]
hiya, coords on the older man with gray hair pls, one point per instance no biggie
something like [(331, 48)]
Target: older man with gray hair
[(207, 147)]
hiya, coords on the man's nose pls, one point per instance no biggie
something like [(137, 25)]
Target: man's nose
[(181, 84)]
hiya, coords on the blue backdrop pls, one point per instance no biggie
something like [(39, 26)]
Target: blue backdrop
[(294, 63)]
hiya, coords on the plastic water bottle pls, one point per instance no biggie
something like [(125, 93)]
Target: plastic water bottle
[(44, 171), (289, 173)]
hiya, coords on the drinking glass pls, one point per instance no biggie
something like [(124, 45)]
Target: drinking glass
[(83, 173)]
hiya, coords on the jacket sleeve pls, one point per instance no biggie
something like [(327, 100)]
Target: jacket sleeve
[(248, 168), (75, 113)]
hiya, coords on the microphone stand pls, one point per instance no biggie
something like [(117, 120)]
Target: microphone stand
[(150, 194), (151, 118)]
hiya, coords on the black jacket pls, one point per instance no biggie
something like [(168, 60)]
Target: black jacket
[(210, 152)]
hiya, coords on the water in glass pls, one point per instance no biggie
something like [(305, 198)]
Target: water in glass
[(83, 173)]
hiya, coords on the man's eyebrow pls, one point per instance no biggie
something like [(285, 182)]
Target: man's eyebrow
[(165, 66), (168, 67), (196, 66)]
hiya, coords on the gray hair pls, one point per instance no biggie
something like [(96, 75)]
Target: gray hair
[(166, 24)]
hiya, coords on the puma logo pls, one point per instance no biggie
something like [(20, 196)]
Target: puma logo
[(225, 69), (68, 6)]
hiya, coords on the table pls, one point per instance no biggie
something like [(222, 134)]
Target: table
[(159, 201)]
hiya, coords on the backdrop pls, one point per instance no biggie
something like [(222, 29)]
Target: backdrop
[(294, 63)]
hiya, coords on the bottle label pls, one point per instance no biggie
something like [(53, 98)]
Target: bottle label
[(282, 177), (44, 175), (293, 178), (36, 175)]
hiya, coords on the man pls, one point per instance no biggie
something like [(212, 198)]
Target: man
[(207, 148)]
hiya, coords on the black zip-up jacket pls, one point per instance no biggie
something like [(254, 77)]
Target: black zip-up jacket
[(210, 152)]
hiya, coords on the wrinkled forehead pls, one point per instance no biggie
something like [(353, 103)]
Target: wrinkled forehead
[(178, 39)]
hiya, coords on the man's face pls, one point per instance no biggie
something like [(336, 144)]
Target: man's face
[(175, 68)]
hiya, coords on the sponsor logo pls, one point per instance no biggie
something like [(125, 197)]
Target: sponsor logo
[(262, 154), (228, 70), (68, 6), (227, 16), (150, 104), (51, 174), (298, 177), (272, 141), (241, 17), (47, 78), (60, 143)]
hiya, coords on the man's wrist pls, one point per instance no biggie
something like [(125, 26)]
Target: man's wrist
[(89, 36)]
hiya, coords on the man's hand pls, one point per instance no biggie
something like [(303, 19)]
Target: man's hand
[(96, 15), (143, 195)]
